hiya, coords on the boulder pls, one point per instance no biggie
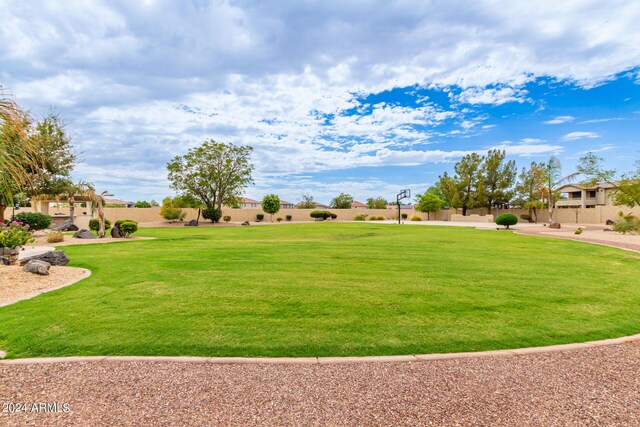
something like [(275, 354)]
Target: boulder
[(555, 225), (36, 266), (245, 223), (192, 223), (51, 257), (84, 234), (4, 260), (609, 222), (116, 233), (66, 226)]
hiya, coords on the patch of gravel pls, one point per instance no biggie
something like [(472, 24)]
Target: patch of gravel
[(15, 283), (594, 386)]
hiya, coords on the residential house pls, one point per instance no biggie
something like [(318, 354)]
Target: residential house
[(249, 203), (357, 205), (580, 196), (286, 205)]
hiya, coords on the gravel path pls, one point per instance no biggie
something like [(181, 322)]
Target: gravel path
[(595, 386)]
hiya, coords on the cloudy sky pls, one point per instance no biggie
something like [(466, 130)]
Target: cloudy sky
[(362, 97)]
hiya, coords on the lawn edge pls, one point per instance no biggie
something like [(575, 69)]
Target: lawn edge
[(327, 360)]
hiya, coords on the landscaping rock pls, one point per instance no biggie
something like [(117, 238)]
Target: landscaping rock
[(609, 222), (4, 260), (245, 223), (555, 225), (84, 234), (66, 226), (37, 267), (192, 223), (116, 233), (51, 257)]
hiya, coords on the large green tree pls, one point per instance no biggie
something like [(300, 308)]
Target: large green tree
[(377, 203), (342, 201), (430, 201), (271, 204), (450, 190), (529, 188), (468, 179), (497, 178), (214, 173)]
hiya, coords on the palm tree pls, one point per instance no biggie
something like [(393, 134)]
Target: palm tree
[(19, 154)]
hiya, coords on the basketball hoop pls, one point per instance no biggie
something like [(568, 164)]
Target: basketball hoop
[(404, 194)]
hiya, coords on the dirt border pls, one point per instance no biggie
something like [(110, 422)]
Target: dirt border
[(86, 274)]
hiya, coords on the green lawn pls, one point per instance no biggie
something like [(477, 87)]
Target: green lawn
[(328, 289)]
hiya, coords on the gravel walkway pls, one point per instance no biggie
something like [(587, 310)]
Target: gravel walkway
[(595, 386)]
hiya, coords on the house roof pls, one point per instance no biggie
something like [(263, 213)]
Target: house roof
[(117, 202), (284, 202), (356, 204), (593, 187), (248, 200)]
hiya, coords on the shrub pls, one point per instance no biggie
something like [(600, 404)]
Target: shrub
[(94, 224), (404, 216), (279, 219), (322, 215), (226, 218), (259, 217), (526, 217), (214, 214), (578, 230), (416, 218), (35, 220), (626, 224), (55, 237), (507, 220), (289, 217), (15, 234), (376, 218), (333, 216), (127, 227), (360, 217)]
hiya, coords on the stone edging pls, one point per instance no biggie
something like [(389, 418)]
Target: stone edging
[(86, 273), (323, 360)]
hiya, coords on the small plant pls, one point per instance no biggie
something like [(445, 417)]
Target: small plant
[(226, 218), (415, 218), (279, 219), (578, 230), (94, 224), (404, 216), (626, 224), (214, 214), (259, 217), (360, 217), (15, 234), (127, 227), (376, 218), (35, 220), (55, 237), (289, 217), (507, 220)]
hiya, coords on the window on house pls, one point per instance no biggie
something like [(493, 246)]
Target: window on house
[(591, 194)]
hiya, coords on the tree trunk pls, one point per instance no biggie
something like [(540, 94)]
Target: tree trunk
[(535, 214), (71, 210), (464, 211), (2, 208), (101, 230)]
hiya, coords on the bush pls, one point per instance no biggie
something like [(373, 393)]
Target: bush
[(360, 217), (507, 220), (127, 227), (322, 215), (94, 224), (578, 230), (259, 217), (376, 218), (226, 218), (15, 234), (35, 220), (526, 217), (279, 219), (404, 216), (289, 217), (626, 224), (415, 218), (55, 237), (214, 214)]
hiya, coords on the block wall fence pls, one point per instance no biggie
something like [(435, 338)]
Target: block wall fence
[(597, 215)]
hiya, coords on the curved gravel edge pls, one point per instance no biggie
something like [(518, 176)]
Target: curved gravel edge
[(326, 360), (86, 274)]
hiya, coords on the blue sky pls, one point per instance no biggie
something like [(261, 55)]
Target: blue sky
[(359, 97)]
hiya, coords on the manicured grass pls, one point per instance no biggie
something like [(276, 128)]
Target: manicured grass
[(328, 289)]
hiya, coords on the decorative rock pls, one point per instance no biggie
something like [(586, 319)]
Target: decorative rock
[(66, 226), (116, 233), (192, 223), (245, 223), (51, 257), (84, 234), (555, 225), (4, 260), (609, 222), (37, 267)]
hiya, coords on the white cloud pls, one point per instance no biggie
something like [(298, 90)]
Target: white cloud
[(560, 120), (572, 136)]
